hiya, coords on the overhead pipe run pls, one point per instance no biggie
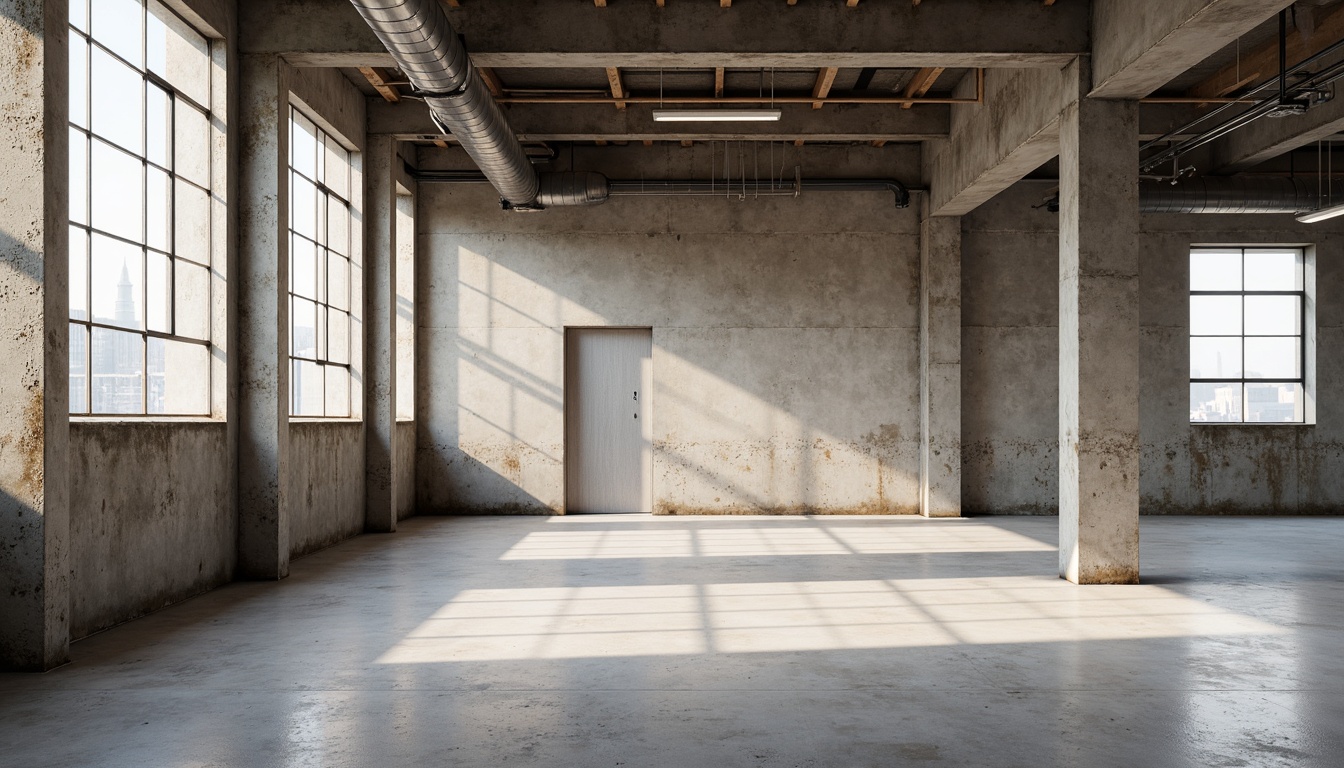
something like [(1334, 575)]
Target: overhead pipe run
[(426, 47), (572, 188), (1230, 194), (1223, 194)]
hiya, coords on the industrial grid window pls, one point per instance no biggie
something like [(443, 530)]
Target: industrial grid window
[(320, 231), (1248, 321), (140, 211)]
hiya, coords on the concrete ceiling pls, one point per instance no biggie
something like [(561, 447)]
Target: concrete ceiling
[(822, 49)]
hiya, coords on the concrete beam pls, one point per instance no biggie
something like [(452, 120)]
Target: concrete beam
[(590, 122), (541, 33), (1268, 138), (1142, 44), (34, 336), (996, 144)]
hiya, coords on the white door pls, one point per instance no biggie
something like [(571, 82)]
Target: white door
[(608, 432)]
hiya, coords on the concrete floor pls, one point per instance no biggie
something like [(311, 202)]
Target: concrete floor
[(639, 641)]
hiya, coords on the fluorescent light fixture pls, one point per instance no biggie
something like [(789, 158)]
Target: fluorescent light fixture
[(715, 115), (1311, 217)]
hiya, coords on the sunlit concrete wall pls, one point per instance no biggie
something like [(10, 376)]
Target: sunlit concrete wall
[(785, 335), (1010, 354)]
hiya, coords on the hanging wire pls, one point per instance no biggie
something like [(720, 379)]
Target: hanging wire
[(756, 165)]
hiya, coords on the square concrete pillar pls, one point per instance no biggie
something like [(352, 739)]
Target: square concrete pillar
[(940, 366), (1099, 342), (34, 336), (263, 320), (380, 356)]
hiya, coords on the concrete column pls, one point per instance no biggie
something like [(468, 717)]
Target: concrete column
[(380, 355), (263, 321), (1099, 342), (34, 336), (940, 366)]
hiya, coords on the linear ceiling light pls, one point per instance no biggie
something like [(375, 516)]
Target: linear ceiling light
[(715, 115), (1311, 217)]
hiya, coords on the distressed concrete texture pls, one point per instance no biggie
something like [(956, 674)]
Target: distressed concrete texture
[(326, 484), (403, 448), (1010, 371), (152, 517), (786, 348)]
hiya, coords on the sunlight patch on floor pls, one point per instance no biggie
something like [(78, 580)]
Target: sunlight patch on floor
[(767, 541), (686, 619)]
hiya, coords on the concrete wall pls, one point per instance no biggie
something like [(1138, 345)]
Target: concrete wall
[(152, 518), (785, 331), (404, 448), (326, 483), (1010, 371)]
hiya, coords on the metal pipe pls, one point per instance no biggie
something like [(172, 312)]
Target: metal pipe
[(577, 99), (1262, 107), (1229, 194), (425, 46), (588, 188)]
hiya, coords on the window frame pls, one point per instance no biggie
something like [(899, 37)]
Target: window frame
[(82, 31), (1303, 294), (323, 195)]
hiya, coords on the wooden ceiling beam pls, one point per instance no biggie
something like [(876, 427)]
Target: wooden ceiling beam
[(492, 82), (825, 79), (617, 89), (381, 83), (921, 83)]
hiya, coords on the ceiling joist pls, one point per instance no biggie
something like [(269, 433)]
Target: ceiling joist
[(921, 83), (825, 79), (617, 90), (492, 81), (381, 83)]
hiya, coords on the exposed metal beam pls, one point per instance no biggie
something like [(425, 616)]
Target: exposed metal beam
[(1140, 45), (947, 33)]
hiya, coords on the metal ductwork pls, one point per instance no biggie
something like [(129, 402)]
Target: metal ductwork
[(1230, 194), (425, 46), (571, 188)]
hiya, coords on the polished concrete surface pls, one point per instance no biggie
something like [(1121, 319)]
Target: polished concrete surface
[(709, 642)]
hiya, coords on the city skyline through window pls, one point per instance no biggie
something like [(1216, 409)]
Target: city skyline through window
[(1247, 335)]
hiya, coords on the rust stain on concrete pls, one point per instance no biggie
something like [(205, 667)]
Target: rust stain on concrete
[(31, 445)]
